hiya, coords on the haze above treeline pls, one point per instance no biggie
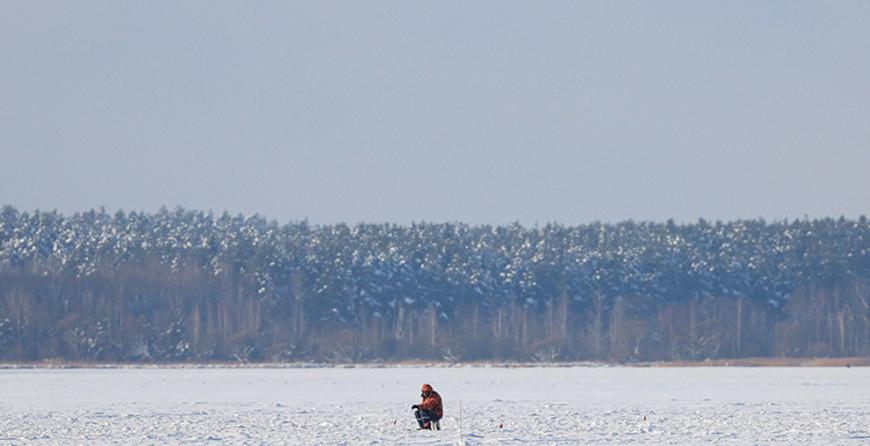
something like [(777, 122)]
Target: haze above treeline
[(186, 285)]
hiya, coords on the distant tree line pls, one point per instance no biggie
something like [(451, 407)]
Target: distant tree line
[(184, 285)]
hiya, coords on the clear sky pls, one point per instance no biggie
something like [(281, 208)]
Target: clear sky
[(406, 111)]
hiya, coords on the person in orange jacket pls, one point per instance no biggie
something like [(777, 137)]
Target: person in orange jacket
[(430, 409)]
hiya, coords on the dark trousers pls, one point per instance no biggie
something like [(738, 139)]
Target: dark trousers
[(425, 418)]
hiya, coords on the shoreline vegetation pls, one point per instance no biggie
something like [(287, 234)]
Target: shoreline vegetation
[(722, 362), (194, 287)]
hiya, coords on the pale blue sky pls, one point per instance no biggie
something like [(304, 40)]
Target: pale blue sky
[(480, 112)]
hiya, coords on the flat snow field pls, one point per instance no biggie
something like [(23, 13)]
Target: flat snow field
[(499, 406)]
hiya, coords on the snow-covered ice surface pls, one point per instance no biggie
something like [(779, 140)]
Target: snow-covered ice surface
[(500, 406)]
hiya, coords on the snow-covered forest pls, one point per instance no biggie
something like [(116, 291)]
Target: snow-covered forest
[(185, 285)]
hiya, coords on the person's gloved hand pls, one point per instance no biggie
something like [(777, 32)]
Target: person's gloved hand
[(415, 406)]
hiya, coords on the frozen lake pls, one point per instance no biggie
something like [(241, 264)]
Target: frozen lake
[(499, 406)]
